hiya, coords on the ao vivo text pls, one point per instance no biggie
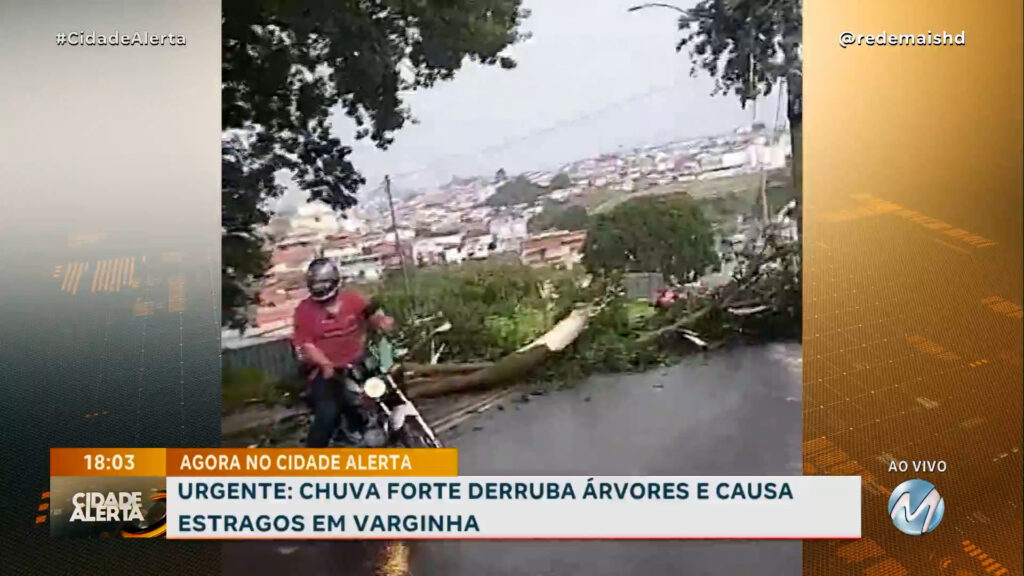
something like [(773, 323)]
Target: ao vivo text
[(917, 466)]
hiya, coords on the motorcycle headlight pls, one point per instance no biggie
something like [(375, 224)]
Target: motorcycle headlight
[(375, 387)]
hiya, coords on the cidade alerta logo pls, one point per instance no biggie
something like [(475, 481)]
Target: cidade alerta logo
[(916, 507), (106, 507), (136, 518)]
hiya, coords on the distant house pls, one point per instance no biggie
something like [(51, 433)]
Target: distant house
[(290, 258), (269, 318), (436, 249), (560, 195), (561, 249), (509, 232), (453, 255), (389, 257), (361, 267), (737, 158), (277, 307), (478, 246), (315, 218), (342, 253), (539, 177)]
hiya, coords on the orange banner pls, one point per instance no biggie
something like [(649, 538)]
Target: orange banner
[(312, 462), (108, 462)]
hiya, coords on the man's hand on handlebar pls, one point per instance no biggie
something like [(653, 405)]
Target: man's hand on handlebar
[(315, 357), (377, 319), (327, 371), (384, 323)]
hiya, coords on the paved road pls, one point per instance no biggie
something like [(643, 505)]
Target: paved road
[(733, 412)]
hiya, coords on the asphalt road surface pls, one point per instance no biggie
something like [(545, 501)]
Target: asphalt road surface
[(734, 412)]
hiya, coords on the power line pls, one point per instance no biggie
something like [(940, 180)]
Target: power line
[(567, 122)]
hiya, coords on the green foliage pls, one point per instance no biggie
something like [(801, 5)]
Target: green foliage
[(722, 209), (639, 311), (241, 386), (780, 194), (609, 344), (512, 333), (494, 308), (745, 45), (784, 289), (286, 64), (559, 217), (516, 191), (560, 181), (666, 234)]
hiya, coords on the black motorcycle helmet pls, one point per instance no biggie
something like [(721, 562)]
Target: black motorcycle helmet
[(322, 279)]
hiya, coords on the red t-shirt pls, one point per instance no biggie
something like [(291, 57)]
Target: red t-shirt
[(341, 337)]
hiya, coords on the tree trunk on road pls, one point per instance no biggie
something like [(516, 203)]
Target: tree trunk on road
[(439, 369), (512, 367), (504, 371)]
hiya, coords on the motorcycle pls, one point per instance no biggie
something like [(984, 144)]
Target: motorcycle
[(390, 418)]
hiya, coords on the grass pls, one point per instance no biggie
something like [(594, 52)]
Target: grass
[(241, 387), (742, 186), (595, 197), (638, 311)]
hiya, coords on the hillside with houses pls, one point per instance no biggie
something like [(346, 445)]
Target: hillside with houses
[(482, 218)]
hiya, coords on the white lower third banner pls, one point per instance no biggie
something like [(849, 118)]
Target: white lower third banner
[(516, 507)]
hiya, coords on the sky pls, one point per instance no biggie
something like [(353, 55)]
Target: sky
[(593, 78)]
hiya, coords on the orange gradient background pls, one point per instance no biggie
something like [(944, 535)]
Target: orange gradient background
[(368, 462), (101, 462), (912, 278)]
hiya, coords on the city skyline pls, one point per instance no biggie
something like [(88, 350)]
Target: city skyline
[(574, 94)]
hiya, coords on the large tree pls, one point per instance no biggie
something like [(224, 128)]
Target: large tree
[(748, 47), (519, 190), (666, 234), (560, 217), (287, 64), (560, 181)]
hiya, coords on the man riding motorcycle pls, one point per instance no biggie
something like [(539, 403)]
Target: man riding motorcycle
[(329, 337)]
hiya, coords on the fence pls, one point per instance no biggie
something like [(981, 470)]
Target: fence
[(272, 357), (643, 284)]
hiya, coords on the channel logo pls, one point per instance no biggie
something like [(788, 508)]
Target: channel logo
[(916, 507)]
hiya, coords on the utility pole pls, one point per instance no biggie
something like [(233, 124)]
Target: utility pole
[(756, 93), (757, 158), (398, 241)]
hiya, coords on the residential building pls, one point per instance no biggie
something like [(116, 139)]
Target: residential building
[(430, 250), (562, 249), (509, 232), (289, 258), (360, 268), (479, 246), (389, 256), (316, 218)]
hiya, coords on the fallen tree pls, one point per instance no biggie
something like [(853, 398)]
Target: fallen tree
[(769, 282), (763, 295), (417, 370), (513, 367)]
